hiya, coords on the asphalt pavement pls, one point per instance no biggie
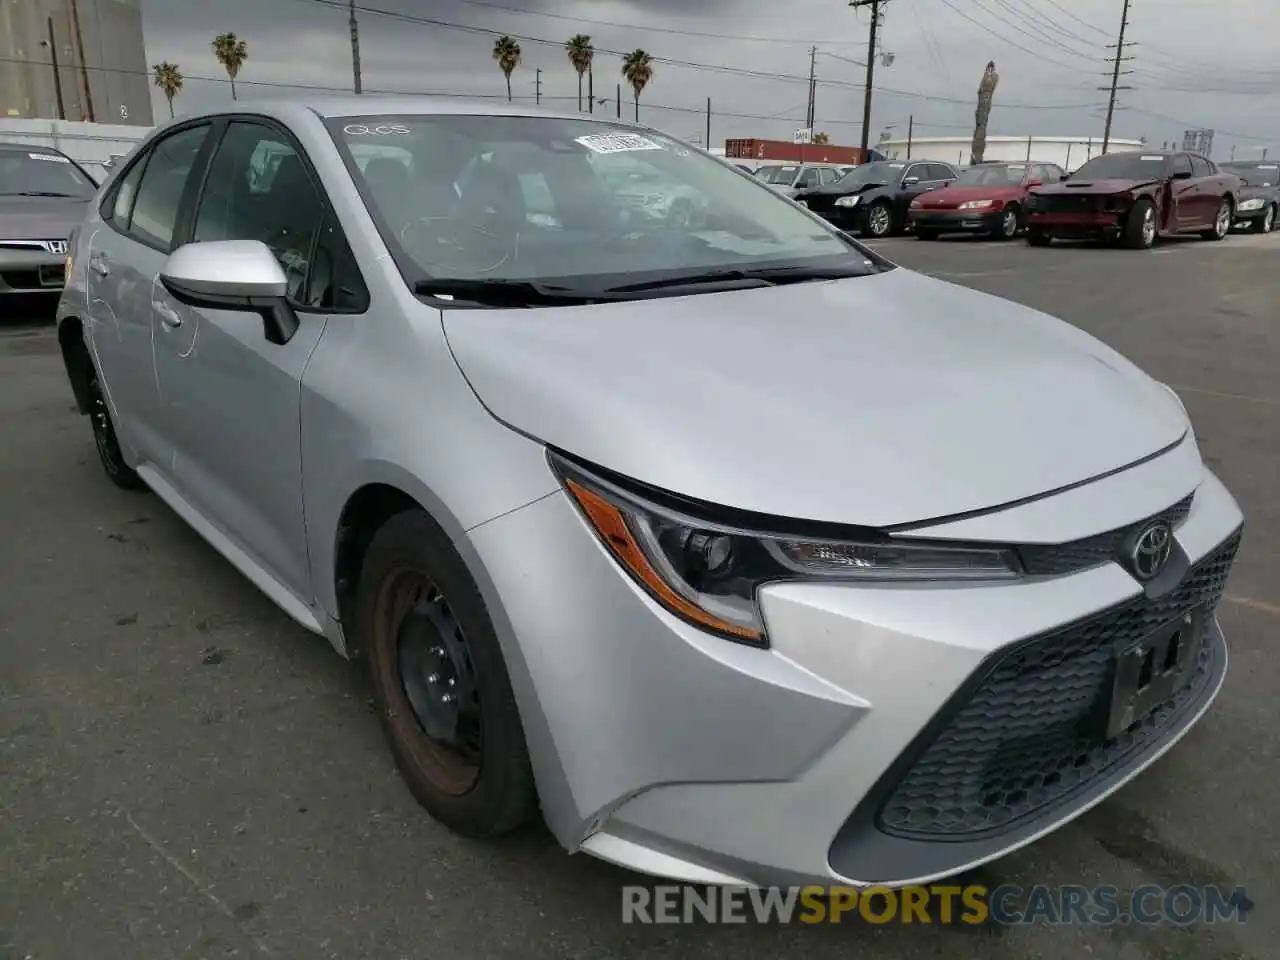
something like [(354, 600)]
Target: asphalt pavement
[(185, 773)]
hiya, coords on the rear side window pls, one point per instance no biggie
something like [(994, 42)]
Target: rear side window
[(939, 171), (155, 209), (125, 194)]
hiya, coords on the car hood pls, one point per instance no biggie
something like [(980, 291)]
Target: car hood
[(1092, 186), (954, 196), (40, 218), (835, 190), (877, 400)]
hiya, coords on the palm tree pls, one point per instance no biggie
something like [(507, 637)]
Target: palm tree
[(821, 139), (581, 53), (986, 94), (231, 53), (507, 52), (637, 70), (169, 79)]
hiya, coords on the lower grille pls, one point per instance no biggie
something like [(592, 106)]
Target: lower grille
[(1065, 203), (1027, 737)]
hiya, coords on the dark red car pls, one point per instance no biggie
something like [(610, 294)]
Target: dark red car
[(986, 198), (1134, 197)]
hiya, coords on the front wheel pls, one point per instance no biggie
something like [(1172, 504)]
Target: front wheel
[(104, 437), (1006, 228), (1140, 228), (1221, 222), (1038, 237), (440, 682), (879, 222), (1267, 222)]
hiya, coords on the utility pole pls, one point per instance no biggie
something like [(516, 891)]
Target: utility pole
[(911, 129), (619, 92), (875, 6), (84, 68), (813, 86), (355, 49), (1115, 74), (537, 90), (52, 44), (591, 89), (708, 124)]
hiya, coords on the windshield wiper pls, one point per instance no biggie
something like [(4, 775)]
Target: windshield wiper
[(770, 276), (508, 293), (40, 193)]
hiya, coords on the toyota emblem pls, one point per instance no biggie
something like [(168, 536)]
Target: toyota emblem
[(1151, 549)]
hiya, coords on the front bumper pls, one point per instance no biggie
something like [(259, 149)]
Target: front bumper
[(1076, 224), (857, 749), (851, 219), (956, 221), (1247, 218), (31, 271)]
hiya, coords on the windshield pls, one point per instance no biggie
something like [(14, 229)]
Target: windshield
[(991, 175), (879, 172), (1123, 166), (1255, 174), (778, 175), (578, 202), (42, 174)]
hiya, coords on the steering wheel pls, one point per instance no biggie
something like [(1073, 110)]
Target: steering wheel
[(454, 246)]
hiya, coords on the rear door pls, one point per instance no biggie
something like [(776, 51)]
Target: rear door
[(140, 217), (231, 397)]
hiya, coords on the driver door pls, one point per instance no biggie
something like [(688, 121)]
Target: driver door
[(231, 398), (1183, 210)]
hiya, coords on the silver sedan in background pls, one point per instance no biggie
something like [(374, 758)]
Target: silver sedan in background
[(740, 554)]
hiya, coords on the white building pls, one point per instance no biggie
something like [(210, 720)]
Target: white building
[(1067, 152)]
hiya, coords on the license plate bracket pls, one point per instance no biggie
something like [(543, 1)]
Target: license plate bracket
[(1149, 672)]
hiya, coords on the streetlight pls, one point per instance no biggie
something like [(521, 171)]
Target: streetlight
[(52, 44)]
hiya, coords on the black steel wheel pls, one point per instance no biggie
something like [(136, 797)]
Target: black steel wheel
[(440, 682), (105, 439)]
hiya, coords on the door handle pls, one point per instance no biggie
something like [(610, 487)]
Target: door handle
[(98, 264), (168, 316)]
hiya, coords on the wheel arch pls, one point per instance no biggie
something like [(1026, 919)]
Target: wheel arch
[(76, 359)]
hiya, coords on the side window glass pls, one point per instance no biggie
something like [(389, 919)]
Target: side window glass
[(1181, 164), (125, 194), (334, 281), (808, 179), (258, 188), (828, 175), (938, 172), (155, 208), (1200, 167), (917, 170)]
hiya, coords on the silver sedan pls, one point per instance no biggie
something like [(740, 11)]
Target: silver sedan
[(736, 552)]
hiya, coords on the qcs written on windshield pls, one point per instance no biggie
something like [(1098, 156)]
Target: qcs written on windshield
[(380, 130)]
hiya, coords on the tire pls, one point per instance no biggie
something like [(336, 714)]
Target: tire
[(425, 636), (104, 436), (1140, 228), (1267, 222), (1221, 222), (1009, 224), (1038, 237), (926, 234), (878, 222)]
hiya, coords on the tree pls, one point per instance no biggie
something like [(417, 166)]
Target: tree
[(169, 79), (986, 94), (507, 52), (581, 53), (821, 139), (637, 70), (231, 53)]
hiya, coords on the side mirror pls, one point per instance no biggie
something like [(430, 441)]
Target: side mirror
[(1035, 183), (1182, 175), (240, 275), (910, 181), (1064, 178)]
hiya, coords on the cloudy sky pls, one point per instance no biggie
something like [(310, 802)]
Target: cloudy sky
[(751, 57)]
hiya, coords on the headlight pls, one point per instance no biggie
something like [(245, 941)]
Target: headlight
[(848, 201), (976, 204), (916, 204), (1251, 205), (68, 268), (708, 571)]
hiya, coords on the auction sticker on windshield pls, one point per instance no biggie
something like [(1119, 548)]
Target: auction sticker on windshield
[(51, 157), (617, 142)]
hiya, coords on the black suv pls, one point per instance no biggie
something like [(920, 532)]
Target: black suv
[(872, 199)]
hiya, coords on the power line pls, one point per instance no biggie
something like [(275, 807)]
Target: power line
[(1017, 46)]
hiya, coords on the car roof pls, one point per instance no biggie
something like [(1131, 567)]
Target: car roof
[(29, 148), (328, 107)]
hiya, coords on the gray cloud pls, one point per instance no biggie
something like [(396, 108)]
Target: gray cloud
[(1047, 57)]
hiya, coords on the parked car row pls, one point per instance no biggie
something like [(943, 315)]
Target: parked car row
[(1129, 198)]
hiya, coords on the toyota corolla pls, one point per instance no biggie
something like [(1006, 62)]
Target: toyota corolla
[(736, 552)]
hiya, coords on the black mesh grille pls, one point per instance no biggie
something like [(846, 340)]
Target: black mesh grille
[(1027, 737), (1061, 558), (1066, 203)]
